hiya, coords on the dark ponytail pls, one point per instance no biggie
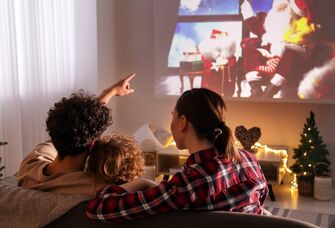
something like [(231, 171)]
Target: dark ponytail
[(204, 109), (223, 140)]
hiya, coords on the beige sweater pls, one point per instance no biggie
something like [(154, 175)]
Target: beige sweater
[(30, 174)]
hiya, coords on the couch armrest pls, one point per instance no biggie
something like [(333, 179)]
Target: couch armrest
[(21, 207)]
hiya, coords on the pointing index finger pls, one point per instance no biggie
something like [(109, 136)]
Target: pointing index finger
[(129, 77)]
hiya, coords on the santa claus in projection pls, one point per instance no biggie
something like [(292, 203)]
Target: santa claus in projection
[(218, 55), (274, 57)]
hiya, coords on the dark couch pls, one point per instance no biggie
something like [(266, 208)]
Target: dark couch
[(195, 219)]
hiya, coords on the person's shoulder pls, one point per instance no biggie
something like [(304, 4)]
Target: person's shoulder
[(45, 149), (246, 155), (46, 144), (244, 151), (38, 157), (73, 182)]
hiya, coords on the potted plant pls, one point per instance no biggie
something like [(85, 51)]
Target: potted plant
[(322, 182)]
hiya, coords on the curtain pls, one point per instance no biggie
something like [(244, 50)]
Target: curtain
[(37, 68)]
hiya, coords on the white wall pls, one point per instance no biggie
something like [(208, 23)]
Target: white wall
[(106, 49), (280, 123), (86, 45)]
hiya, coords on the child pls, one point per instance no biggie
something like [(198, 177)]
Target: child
[(115, 159)]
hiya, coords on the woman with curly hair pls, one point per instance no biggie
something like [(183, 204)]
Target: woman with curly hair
[(115, 159), (73, 124)]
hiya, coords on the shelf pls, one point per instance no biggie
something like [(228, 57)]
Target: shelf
[(170, 159)]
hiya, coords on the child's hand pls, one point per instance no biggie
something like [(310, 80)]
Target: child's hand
[(121, 88)]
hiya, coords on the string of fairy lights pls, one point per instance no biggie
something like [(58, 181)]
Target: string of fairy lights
[(282, 153), (284, 156), (306, 153)]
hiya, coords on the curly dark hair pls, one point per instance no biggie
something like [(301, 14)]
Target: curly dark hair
[(115, 159), (75, 122)]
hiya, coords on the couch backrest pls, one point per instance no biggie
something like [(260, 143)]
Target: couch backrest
[(21, 207), (30, 208)]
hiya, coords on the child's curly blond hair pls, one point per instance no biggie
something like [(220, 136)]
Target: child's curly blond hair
[(115, 159)]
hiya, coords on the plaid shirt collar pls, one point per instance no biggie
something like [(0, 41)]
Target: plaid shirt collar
[(201, 156)]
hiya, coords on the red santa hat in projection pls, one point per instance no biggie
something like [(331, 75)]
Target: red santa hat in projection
[(303, 8), (218, 33)]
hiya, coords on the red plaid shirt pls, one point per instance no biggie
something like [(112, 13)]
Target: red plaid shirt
[(208, 182)]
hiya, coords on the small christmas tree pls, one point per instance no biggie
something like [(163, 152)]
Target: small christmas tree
[(311, 152), (1, 167)]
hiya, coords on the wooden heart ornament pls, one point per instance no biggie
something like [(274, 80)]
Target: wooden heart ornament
[(247, 137)]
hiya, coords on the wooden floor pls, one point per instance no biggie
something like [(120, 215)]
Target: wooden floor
[(292, 200)]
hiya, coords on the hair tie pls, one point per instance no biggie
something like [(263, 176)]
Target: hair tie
[(217, 131)]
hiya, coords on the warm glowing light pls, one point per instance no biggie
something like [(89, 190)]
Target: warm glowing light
[(312, 147), (272, 152), (283, 155), (169, 142), (294, 183), (309, 128), (305, 134), (305, 154), (310, 165), (305, 173), (310, 140)]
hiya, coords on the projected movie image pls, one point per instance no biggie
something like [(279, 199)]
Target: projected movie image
[(208, 50), (259, 50), (208, 7)]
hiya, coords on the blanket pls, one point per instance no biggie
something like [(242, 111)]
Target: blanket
[(21, 207)]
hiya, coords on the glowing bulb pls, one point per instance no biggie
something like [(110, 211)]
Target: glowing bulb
[(294, 183), (310, 140), (305, 154), (310, 165), (312, 147), (305, 173), (309, 128)]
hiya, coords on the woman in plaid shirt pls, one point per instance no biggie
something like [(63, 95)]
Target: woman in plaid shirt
[(215, 175)]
